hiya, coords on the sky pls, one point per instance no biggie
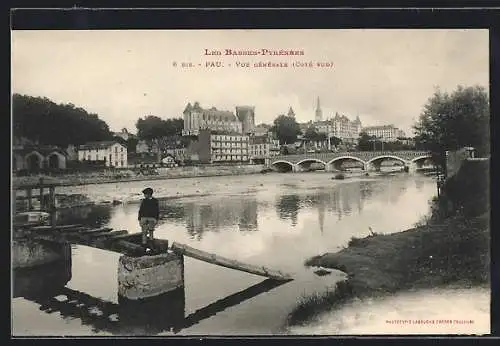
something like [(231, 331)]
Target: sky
[(383, 76)]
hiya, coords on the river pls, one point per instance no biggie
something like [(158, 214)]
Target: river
[(276, 220)]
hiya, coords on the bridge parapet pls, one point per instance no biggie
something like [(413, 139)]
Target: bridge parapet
[(364, 156)]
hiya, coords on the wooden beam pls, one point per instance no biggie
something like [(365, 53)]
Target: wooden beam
[(228, 263), (127, 247), (61, 227), (95, 230), (107, 234), (126, 236)]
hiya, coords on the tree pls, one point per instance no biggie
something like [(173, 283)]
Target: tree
[(310, 134), (365, 142), (153, 127), (456, 120), (41, 120), (132, 144), (286, 129), (335, 141)]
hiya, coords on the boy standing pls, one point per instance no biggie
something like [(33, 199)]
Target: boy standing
[(149, 213)]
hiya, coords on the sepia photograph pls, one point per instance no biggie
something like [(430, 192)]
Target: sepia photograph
[(319, 182)]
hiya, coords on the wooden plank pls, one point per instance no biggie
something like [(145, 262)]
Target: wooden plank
[(228, 263), (96, 230), (127, 247), (126, 236), (107, 234), (61, 227)]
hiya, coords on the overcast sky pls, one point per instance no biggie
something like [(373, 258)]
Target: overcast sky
[(385, 76)]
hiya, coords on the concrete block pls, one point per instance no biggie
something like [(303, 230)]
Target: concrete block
[(149, 276)]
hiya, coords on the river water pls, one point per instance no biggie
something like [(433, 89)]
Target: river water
[(274, 220)]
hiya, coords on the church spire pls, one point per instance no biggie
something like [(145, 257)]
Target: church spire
[(319, 112), (291, 112)]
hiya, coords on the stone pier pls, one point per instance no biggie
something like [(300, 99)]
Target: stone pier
[(32, 253), (149, 276)]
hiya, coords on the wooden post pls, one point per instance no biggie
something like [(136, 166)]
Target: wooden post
[(29, 196), (52, 205), (41, 195)]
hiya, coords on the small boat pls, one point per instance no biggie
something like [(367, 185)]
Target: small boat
[(35, 218)]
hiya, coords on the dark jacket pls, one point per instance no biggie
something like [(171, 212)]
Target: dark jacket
[(149, 208)]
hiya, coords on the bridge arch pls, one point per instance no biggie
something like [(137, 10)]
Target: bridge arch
[(421, 158), (386, 156), (311, 159), (346, 157), (282, 165)]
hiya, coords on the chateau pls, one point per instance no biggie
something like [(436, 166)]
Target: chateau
[(197, 118)]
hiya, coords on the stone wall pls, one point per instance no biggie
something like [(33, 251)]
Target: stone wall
[(468, 190), (30, 253), (128, 175), (454, 160)]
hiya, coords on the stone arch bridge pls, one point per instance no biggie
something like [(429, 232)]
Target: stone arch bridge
[(370, 160)]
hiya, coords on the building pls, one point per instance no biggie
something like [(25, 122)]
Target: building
[(30, 156), (124, 134), (196, 119), (112, 153), (259, 148), (142, 146), (389, 133), (261, 130), (38, 158), (291, 113), (344, 128), (246, 115), (222, 147)]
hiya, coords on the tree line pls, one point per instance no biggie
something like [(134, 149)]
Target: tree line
[(448, 121), (43, 121)]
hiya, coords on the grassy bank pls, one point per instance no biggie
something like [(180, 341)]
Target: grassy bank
[(449, 249), (454, 253)]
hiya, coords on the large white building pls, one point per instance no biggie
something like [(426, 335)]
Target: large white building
[(259, 148), (222, 147), (339, 126), (112, 153), (389, 133), (196, 119)]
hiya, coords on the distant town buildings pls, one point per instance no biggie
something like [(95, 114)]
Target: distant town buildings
[(389, 133), (196, 119), (111, 153), (222, 147), (30, 157), (339, 126), (259, 148)]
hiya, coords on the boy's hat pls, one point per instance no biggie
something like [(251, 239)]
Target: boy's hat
[(148, 190)]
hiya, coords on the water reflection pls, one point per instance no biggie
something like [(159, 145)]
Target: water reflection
[(288, 207), (164, 313), (241, 213), (90, 215)]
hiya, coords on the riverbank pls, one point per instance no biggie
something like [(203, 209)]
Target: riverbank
[(450, 249), (454, 253), (129, 175)]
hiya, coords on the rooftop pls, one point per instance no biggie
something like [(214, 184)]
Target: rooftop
[(98, 145)]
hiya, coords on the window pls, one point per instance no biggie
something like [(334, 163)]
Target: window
[(121, 163), (116, 149), (121, 149)]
